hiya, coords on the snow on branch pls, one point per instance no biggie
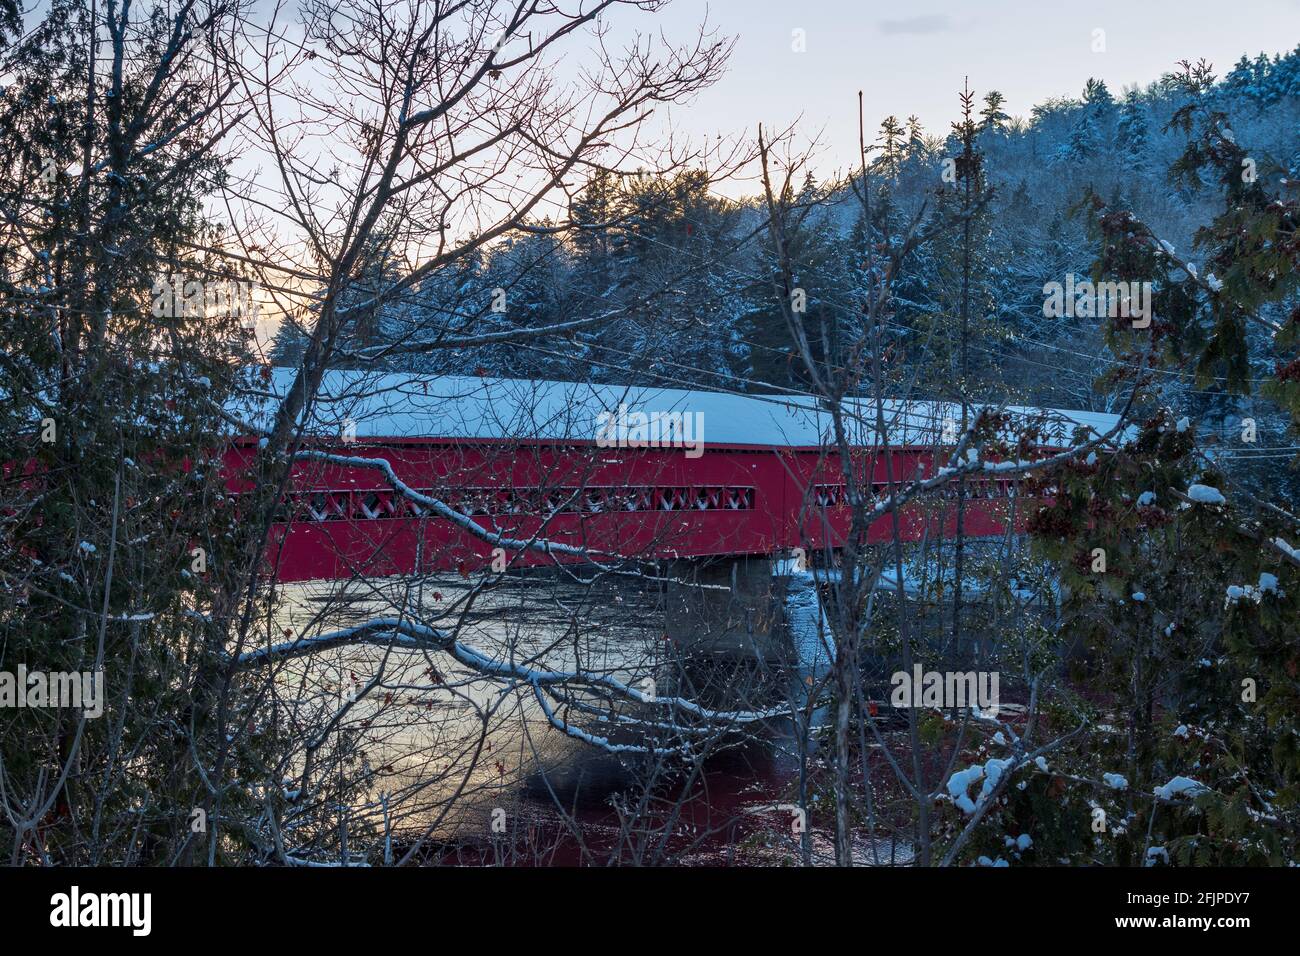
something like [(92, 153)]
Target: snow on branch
[(966, 461), (1205, 495)]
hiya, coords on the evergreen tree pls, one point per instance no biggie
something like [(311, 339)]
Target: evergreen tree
[(600, 240), (1240, 83), (916, 146), (892, 147), (1097, 99), (1093, 124), (819, 297), (992, 118), (119, 345), (1133, 132), (1204, 687)]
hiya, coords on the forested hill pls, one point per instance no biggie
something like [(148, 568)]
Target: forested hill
[(687, 276)]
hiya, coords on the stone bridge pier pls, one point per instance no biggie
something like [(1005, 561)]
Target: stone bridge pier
[(726, 607), (759, 632)]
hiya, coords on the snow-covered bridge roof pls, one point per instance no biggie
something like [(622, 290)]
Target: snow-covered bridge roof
[(405, 405)]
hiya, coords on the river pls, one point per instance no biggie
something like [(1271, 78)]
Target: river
[(476, 769)]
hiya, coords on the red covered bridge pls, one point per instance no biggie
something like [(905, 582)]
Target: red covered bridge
[(627, 473)]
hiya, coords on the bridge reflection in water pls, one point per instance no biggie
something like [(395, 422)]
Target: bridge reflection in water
[(448, 747)]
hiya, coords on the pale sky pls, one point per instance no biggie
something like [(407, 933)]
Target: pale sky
[(911, 57)]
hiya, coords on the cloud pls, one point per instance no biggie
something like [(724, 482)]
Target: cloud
[(939, 23)]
